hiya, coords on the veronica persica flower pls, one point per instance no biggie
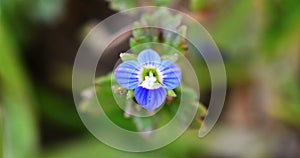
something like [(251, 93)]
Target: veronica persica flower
[(149, 77)]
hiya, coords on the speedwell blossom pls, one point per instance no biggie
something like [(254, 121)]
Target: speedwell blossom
[(149, 77)]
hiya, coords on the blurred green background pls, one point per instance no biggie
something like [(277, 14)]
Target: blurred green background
[(259, 41)]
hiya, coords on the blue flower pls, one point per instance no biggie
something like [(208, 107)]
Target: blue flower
[(149, 77)]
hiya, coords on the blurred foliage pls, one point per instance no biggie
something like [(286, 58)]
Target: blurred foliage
[(196, 5), (162, 2), (54, 108), (282, 28), (144, 36), (120, 5), (259, 41), (89, 147), (19, 16), (20, 130)]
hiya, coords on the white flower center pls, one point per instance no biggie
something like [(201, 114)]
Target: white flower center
[(150, 82)]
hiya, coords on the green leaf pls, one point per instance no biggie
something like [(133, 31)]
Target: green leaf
[(140, 46), (138, 31), (190, 100), (106, 98), (104, 79), (144, 123), (147, 19), (133, 43)]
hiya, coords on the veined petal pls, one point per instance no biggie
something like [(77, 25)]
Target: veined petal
[(170, 74), (126, 74), (150, 99), (149, 56)]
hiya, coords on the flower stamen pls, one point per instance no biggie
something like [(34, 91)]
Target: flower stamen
[(150, 81)]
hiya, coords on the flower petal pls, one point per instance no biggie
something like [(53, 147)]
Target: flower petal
[(149, 56), (171, 74), (150, 99), (126, 74)]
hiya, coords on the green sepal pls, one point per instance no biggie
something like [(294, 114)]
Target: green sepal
[(171, 93), (130, 94)]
